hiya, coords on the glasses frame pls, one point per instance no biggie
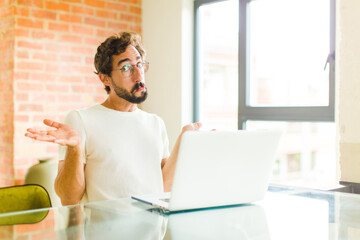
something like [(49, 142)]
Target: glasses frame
[(144, 67)]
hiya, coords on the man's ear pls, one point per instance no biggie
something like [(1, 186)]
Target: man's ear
[(105, 79)]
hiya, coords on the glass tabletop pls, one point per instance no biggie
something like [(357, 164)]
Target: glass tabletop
[(285, 213)]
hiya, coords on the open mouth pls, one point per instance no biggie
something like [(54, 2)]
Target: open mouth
[(139, 87)]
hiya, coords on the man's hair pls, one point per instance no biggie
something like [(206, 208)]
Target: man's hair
[(115, 45)]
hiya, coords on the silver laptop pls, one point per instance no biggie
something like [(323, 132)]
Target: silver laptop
[(217, 168)]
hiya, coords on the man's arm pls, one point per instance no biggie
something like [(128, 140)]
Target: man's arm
[(168, 164), (70, 181)]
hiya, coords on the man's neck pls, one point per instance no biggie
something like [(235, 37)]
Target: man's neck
[(119, 104)]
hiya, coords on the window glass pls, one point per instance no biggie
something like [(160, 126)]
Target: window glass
[(306, 154), (289, 44), (218, 64)]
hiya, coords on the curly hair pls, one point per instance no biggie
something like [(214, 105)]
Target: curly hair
[(115, 45)]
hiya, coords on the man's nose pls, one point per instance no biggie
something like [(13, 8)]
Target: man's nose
[(138, 74)]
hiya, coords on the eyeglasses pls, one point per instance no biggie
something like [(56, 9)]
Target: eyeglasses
[(128, 69)]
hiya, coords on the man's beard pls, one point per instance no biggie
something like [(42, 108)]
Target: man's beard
[(130, 96)]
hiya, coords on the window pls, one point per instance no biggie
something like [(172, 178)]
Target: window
[(270, 64)]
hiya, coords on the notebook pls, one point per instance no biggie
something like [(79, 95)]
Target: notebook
[(219, 168)]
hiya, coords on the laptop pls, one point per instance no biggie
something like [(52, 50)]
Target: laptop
[(219, 168)]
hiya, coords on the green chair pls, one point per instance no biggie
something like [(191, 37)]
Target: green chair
[(20, 198)]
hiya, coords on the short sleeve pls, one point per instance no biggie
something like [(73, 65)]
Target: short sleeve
[(165, 140), (73, 119)]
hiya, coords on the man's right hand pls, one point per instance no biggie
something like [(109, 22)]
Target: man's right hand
[(61, 134)]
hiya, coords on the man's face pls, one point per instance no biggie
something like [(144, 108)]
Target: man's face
[(131, 88)]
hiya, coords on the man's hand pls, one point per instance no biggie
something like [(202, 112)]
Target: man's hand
[(61, 134), (191, 127)]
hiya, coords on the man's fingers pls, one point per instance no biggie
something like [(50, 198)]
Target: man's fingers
[(197, 125), (52, 123)]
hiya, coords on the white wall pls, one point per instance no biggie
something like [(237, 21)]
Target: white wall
[(348, 87), (167, 37)]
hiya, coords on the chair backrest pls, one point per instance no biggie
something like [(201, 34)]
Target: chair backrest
[(21, 198)]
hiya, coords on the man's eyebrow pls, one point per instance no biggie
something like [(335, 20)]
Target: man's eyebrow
[(127, 59)]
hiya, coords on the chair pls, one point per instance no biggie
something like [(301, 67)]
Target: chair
[(21, 198)]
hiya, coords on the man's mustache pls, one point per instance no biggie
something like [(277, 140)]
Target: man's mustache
[(137, 86)]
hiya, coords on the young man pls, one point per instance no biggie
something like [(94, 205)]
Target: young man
[(112, 150)]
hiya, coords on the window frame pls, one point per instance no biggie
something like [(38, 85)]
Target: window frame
[(265, 113)]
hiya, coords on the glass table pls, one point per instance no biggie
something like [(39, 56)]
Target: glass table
[(285, 213)]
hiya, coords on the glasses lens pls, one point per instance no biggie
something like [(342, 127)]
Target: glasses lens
[(145, 66)]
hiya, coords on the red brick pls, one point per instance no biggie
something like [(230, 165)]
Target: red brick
[(40, 118), (82, 69), (89, 60), (56, 68), (73, 1), (19, 182), (104, 33), (21, 118), (135, 29), (30, 107), (82, 30), (21, 75), (82, 10), (57, 88), (6, 66), (71, 79), (59, 27), (92, 80), (117, 6), (29, 65), (22, 11), (106, 14), (81, 88), (45, 56), (70, 18), (70, 98), (22, 32), (95, 3), (43, 35), (93, 41), (21, 97), (6, 170), (30, 45), (55, 47), (44, 77), (71, 38), (6, 12), (95, 22), (99, 99), (136, 10), (130, 1), (59, 6), (83, 50), (43, 14), (117, 25), (43, 97), (28, 23), (70, 58), (31, 3), (22, 54), (24, 86), (5, 97)]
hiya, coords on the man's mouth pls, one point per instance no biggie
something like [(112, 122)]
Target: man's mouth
[(139, 87)]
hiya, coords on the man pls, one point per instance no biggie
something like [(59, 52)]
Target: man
[(113, 149)]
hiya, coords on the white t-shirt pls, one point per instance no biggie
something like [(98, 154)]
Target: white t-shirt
[(122, 151)]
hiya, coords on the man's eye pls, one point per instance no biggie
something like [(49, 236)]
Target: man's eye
[(126, 68)]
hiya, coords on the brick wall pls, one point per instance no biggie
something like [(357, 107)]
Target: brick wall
[(7, 39), (54, 44)]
